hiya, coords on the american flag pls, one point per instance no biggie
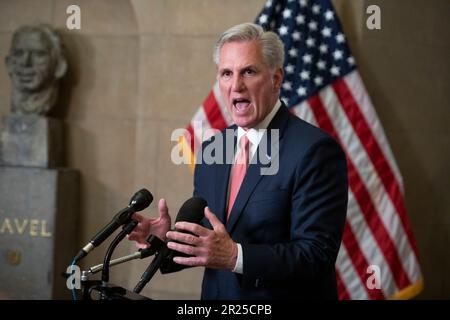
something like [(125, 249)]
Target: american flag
[(378, 256)]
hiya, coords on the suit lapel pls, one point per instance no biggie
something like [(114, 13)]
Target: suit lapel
[(253, 175), (223, 174), (222, 177)]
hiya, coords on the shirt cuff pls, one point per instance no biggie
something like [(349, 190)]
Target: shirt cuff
[(238, 268)]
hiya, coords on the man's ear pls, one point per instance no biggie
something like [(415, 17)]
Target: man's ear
[(61, 68), (277, 78), (8, 61)]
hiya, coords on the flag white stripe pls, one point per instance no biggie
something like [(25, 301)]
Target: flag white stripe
[(368, 245), (364, 166), (359, 93), (353, 283), (304, 112), (356, 87), (363, 234)]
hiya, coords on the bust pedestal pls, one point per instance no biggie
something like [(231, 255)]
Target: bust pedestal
[(38, 209)]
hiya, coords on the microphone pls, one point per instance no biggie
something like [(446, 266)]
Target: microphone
[(192, 210), (138, 202)]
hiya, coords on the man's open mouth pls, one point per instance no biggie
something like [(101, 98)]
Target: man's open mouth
[(241, 104), (25, 75)]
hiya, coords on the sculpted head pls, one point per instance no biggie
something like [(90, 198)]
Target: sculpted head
[(35, 64)]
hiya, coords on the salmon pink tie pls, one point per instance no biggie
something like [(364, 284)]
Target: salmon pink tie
[(238, 172)]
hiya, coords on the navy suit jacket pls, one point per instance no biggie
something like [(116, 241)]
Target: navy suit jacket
[(289, 224)]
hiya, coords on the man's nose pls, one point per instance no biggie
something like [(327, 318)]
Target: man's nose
[(238, 84), (25, 58)]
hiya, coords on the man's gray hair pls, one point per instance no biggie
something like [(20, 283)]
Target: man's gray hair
[(272, 46)]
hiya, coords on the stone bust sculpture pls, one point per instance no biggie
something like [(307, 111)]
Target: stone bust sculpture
[(35, 63)]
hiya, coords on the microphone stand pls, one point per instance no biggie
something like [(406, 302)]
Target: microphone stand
[(112, 292), (122, 234), (109, 292), (155, 245)]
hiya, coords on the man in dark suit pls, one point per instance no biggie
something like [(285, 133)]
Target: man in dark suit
[(267, 234)]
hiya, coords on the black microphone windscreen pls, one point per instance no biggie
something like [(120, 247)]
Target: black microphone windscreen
[(141, 200), (192, 210)]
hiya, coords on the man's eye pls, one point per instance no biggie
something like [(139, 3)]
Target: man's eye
[(226, 73), (18, 52), (40, 53), (249, 72)]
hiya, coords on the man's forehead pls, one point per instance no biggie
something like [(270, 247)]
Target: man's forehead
[(34, 38)]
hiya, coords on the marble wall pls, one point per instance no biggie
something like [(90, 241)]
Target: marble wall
[(140, 68)]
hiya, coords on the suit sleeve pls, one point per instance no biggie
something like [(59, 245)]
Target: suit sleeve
[(318, 211)]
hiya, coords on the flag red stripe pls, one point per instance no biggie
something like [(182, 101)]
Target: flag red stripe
[(213, 112), (375, 224), (359, 261), (192, 138), (375, 154), (364, 200)]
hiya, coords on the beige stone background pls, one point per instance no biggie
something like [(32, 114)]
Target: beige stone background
[(140, 68)]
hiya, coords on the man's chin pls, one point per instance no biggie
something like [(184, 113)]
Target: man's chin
[(243, 123)]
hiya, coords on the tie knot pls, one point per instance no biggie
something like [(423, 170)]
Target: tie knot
[(242, 156)]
